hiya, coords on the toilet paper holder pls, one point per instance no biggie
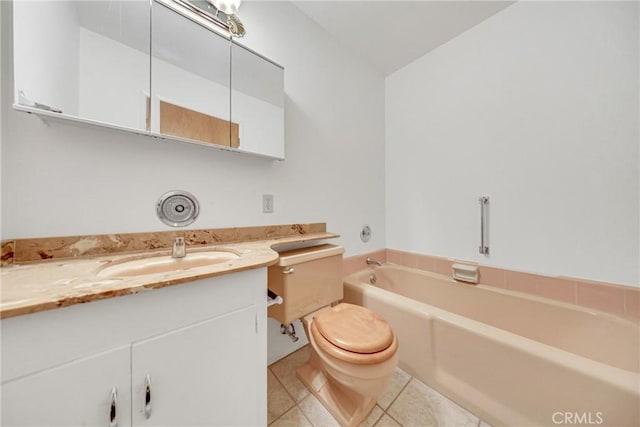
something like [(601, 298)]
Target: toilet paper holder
[(273, 299)]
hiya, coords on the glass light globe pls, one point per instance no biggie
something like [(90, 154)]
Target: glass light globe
[(229, 7)]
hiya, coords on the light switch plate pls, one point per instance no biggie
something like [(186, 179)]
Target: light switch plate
[(267, 203)]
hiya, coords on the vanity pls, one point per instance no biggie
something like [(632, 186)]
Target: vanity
[(95, 340), (184, 355)]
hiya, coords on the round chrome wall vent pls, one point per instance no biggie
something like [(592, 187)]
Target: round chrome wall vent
[(177, 208)]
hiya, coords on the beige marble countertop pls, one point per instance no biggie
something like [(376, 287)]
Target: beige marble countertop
[(30, 288)]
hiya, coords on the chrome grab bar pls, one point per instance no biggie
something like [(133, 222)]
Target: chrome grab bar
[(484, 248)]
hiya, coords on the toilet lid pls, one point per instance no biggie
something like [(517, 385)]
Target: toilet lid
[(355, 329)]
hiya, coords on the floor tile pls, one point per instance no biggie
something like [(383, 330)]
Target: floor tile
[(293, 418), (448, 412), (285, 371), (430, 407), (413, 408), (372, 418), (317, 414), (278, 400), (398, 381), (407, 401), (387, 421)]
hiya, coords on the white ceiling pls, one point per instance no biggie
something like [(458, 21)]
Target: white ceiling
[(391, 34)]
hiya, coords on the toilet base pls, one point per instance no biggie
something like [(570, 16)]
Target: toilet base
[(347, 407)]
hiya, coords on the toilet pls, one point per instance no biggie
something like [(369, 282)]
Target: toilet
[(353, 350)]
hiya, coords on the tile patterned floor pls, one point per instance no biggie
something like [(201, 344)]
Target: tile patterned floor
[(406, 402)]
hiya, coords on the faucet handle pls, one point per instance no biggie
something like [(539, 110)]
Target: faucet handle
[(179, 249)]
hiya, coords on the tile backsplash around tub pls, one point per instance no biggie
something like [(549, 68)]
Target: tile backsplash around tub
[(37, 249), (612, 298)]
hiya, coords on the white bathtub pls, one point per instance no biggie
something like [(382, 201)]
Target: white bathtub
[(510, 358)]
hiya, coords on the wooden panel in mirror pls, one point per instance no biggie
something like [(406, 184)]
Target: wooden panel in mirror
[(186, 123)]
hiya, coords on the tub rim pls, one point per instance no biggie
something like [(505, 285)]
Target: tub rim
[(509, 292)]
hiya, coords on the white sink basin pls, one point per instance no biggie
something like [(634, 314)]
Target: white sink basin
[(165, 264)]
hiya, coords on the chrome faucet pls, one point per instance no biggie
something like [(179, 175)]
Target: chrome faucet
[(179, 249), (370, 261)]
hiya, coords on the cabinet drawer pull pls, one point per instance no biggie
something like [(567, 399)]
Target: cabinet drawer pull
[(288, 270), (113, 404), (147, 396)]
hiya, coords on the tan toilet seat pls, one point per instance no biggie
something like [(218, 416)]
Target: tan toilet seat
[(354, 334)]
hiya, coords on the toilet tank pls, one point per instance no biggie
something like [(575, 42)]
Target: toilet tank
[(307, 279)]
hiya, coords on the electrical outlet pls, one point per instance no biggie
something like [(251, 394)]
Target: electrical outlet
[(267, 203)]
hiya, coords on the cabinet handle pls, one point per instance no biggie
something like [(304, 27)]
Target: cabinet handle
[(147, 396), (113, 403), (288, 270)]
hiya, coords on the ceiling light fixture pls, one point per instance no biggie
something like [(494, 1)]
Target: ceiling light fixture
[(222, 13), (228, 7)]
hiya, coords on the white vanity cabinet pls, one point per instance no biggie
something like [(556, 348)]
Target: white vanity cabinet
[(213, 377), (200, 347), (75, 394)]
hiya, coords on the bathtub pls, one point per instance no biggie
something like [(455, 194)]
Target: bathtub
[(510, 358)]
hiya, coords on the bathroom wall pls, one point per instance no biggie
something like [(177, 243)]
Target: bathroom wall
[(62, 179), (536, 107)]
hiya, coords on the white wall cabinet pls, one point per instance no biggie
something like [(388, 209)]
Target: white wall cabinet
[(153, 68), (202, 345)]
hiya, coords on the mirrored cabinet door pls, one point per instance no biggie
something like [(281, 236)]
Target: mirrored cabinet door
[(190, 80), (83, 59), (257, 102)]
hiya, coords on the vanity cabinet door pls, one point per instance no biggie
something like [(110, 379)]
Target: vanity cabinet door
[(78, 393), (203, 374)]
